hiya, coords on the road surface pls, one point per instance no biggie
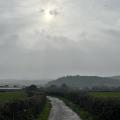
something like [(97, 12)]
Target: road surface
[(60, 111)]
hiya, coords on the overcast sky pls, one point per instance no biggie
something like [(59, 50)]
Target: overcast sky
[(52, 38)]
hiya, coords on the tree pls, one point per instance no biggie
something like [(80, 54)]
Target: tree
[(31, 90), (32, 87)]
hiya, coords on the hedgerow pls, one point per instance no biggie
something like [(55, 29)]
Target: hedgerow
[(26, 109)]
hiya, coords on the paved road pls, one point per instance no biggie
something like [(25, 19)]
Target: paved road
[(60, 111)]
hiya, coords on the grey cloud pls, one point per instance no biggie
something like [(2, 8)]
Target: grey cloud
[(54, 12), (83, 40)]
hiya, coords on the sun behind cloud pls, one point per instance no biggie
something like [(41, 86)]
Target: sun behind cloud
[(49, 13), (47, 16)]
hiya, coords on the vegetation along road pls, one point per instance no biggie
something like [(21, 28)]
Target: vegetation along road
[(60, 111)]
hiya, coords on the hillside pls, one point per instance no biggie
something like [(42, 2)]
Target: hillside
[(85, 81), (115, 77)]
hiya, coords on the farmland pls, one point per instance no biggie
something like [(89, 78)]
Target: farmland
[(89, 105), (10, 96), (105, 94)]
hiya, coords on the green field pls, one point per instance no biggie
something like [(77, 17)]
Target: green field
[(105, 94), (9, 96)]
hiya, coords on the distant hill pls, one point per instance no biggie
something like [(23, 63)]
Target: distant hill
[(115, 77), (85, 81)]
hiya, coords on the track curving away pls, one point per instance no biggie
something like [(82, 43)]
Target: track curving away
[(60, 111)]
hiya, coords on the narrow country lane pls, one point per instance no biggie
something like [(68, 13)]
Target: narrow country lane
[(60, 111)]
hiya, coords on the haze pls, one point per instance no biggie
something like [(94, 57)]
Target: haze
[(52, 38)]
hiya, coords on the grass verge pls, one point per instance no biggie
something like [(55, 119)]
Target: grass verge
[(46, 111), (84, 115)]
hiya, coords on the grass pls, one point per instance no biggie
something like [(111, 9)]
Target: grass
[(10, 96), (45, 113), (105, 94)]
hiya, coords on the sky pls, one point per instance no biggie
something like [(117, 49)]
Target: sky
[(52, 38)]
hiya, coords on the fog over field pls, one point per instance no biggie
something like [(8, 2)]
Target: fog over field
[(52, 38)]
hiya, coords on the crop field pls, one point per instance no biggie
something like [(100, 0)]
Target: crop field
[(105, 94), (9, 96)]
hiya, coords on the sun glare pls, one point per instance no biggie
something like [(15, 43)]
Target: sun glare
[(47, 16)]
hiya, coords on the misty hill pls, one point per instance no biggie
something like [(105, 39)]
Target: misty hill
[(115, 77), (85, 81)]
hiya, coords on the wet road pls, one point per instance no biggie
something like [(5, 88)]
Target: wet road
[(60, 111)]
